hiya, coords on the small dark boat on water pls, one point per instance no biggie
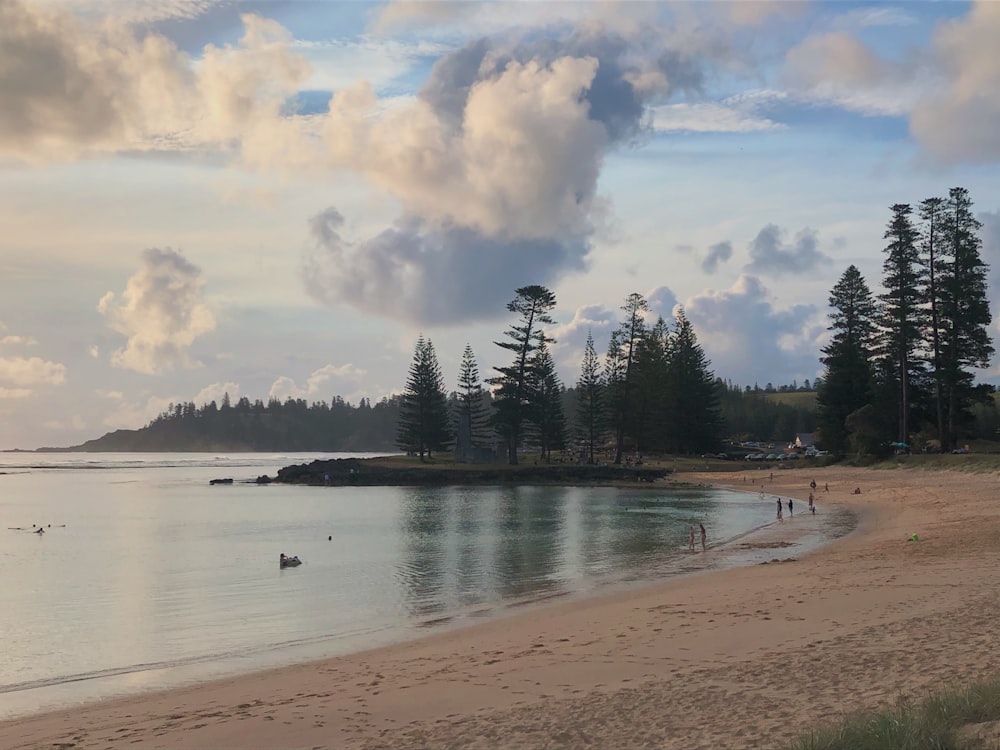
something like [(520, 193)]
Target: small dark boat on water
[(289, 562), (221, 481)]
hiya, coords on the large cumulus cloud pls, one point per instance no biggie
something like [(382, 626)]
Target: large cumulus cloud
[(70, 87), (161, 313), (495, 165), (749, 340)]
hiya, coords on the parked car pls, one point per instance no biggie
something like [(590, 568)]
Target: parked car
[(772, 457)]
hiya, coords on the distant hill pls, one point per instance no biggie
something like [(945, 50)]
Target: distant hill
[(292, 425)]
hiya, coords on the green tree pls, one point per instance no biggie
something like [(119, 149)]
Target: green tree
[(902, 317), (692, 391), (933, 260), (546, 410), (651, 416), (965, 309), (846, 384), (472, 429), (622, 351), (532, 305), (423, 420), (590, 400)]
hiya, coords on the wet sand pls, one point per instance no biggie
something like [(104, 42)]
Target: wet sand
[(747, 657)]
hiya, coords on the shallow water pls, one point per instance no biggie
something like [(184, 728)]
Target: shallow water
[(149, 577)]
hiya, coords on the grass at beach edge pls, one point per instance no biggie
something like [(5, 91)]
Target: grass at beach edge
[(966, 718)]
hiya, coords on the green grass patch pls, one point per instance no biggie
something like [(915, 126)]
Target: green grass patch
[(970, 463), (941, 722), (799, 399)]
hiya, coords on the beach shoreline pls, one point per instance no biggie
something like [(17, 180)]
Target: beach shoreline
[(737, 656)]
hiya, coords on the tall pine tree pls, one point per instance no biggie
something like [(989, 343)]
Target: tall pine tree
[(622, 352), (423, 420), (692, 392), (590, 400), (545, 407), (902, 317), (965, 309), (472, 431), (847, 382), (933, 260), (532, 305)]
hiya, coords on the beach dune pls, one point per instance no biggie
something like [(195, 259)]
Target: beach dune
[(750, 657)]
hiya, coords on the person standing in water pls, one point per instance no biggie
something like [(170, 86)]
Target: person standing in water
[(779, 509), (691, 538), (789, 507), (703, 535)]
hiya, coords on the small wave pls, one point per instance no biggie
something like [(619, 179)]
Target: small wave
[(244, 652)]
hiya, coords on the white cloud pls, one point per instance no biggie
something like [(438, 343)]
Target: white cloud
[(743, 332), (216, 392), (161, 312), (131, 415), (770, 253), (18, 341), (14, 393), (323, 384), (31, 371), (874, 17), (76, 423), (74, 87), (960, 121), (134, 11), (709, 117), (335, 63), (838, 69)]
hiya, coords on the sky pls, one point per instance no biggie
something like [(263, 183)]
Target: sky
[(275, 199)]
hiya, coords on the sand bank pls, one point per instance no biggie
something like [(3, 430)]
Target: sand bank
[(741, 658)]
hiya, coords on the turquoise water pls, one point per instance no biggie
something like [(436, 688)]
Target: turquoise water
[(149, 577)]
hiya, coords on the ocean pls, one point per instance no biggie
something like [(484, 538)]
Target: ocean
[(147, 576)]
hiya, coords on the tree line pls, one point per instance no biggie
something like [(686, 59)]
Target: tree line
[(900, 366), (652, 391)]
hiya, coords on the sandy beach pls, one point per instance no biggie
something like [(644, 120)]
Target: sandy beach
[(749, 657)]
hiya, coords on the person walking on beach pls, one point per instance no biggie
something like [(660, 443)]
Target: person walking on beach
[(779, 509), (691, 539), (703, 535), (789, 507), (826, 487)]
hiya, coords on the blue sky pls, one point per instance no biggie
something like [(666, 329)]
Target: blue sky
[(277, 198)]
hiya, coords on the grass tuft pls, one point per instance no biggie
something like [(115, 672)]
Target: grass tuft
[(934, 724)]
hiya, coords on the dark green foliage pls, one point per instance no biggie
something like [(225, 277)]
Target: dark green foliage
[(472, 431), (847, 382), (934, 268), (294, 426), (933, 332), (545, 410), (590, 401), (651, 396), (965, 310), (622, 353), (902, 320), (423, 421), (511, 395), (749, 414), (693, 398)]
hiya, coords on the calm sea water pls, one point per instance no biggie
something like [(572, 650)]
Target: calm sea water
[(149, 577)]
